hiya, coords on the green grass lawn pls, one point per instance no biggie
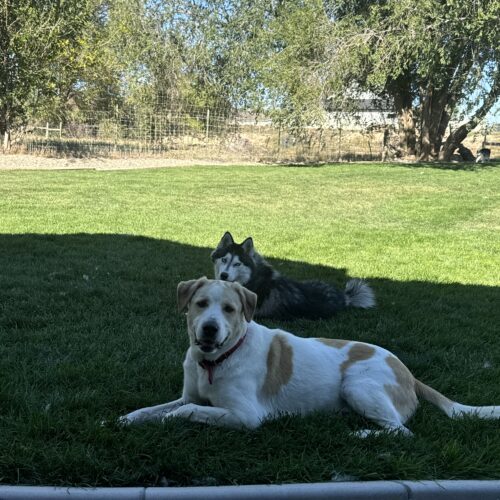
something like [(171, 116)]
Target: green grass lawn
[(89, 263)]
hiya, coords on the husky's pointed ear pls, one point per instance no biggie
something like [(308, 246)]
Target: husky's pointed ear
[(186, 289), (248, 300), (225, 241), (247, 246)]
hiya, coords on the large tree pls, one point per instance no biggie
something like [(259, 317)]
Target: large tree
[(434, 59), (41, 44), (437, 59), (173, 54)]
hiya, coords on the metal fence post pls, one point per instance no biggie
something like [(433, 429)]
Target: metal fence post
[(207, 124)]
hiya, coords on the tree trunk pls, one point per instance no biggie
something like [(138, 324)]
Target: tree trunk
[(406, 119), (435, 119), (408, 137), (6, 141), (4, 127), (456, 137), (441, 131)]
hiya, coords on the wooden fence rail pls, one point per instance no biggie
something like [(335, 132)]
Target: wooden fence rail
[(48, 129)]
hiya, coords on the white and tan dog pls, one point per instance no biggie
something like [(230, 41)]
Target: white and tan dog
[(238, 373)]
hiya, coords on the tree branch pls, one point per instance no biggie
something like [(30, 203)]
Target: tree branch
[(457, 136)]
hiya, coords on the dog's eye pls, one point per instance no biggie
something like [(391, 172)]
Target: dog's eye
[(202, 303), (224, 260), (237, 264), (229, 309)]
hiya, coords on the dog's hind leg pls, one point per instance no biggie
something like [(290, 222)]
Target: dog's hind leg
[(370, 400)]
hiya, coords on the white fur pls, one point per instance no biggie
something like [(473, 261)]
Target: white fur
[(237, 395), (231, 265)]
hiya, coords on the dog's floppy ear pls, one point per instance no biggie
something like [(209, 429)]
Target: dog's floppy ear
[(186, 289), (248, 300), (247, 245)]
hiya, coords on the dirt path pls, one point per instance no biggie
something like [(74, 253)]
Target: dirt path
[(29, 162)]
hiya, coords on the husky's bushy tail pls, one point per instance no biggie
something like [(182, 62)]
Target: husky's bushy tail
[(359, 294), (452, 408)]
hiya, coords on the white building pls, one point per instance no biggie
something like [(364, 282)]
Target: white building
[(366, 110)]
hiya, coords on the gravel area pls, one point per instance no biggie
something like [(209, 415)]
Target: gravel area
[(31, 162)]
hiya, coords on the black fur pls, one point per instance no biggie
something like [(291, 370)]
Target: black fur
[(283, 298), (306, 299)]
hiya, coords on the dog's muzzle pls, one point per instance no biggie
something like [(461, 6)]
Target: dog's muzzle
[(224, 276), (210, 329), (207, 339)]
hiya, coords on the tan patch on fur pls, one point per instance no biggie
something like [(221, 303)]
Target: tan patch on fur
[(402, 394), (279, 365), (358, 352), (338, 343)]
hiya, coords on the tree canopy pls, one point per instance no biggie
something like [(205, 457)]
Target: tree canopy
[(436, 61), (45, 47)]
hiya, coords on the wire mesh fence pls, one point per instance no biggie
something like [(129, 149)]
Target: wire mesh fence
[(197, 134), (212, 134)]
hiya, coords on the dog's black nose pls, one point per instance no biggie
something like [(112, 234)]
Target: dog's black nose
[(210, 329), (224, 276)]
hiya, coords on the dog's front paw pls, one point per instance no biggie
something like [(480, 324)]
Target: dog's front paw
[(124, 420)]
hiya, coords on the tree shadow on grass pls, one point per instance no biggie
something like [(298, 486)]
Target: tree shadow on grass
[(89, 330), (459, 166)]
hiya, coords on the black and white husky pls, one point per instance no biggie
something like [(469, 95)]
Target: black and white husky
[(280, 297)]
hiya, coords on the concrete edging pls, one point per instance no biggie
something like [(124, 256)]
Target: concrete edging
[(373, 490)]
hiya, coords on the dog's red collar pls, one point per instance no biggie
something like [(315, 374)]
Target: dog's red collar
[(209, 365)]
